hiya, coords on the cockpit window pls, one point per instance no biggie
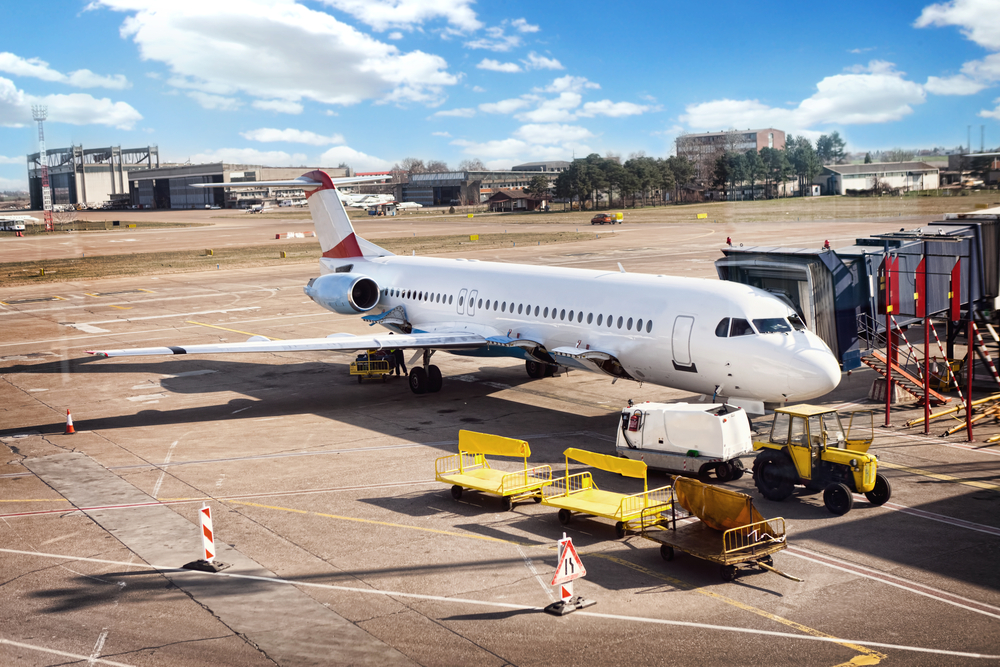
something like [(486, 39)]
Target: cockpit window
[(741, 328), (723, 329), (797, 323), (772, 325)]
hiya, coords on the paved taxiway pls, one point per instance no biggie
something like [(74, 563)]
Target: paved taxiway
[(343, 548)]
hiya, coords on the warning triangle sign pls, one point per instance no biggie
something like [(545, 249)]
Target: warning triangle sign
[(570, 566)]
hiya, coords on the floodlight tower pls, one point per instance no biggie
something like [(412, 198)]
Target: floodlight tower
[(40, 113)]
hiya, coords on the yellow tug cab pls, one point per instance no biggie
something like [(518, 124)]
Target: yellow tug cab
[(808, 446)]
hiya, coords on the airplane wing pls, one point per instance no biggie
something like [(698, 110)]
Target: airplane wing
[(335, 342)]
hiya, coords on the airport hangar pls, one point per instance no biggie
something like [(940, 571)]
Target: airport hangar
[(473, 187)]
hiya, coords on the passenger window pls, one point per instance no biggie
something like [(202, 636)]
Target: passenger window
[(487, 304), (480, 303), (519, 308), (571, 316), (619, 321), (449, 300), (562, 314), (649, 326), (638, 325), (461, 300), (503, 307), (628, 325), (741, 328), (536, 311), (722, 330), (546, 313), (600, 318), (590, 318), (611, 321), (579, 316)]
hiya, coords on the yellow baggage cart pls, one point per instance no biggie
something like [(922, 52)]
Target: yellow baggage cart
[(470, 469), (371, 364), (578, 493), (728, 530)]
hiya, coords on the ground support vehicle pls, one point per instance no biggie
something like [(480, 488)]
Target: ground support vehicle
[(687, 438), (469, 469), (809, 447), (372, 364), (578, 493), (728, 529)]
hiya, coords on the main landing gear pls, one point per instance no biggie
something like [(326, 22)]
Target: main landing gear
[(537, 369), (425, 379)]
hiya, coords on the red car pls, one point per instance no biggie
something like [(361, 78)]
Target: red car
[(602, 218)]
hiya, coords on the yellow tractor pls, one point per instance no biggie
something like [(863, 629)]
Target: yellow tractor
[(809, 447)]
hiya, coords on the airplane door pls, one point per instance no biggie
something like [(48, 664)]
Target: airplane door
[(472, 302), (461, 301), (681, 340)]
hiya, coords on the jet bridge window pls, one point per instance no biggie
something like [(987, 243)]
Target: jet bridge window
[(772, 325), (741, 328), (722, 330)]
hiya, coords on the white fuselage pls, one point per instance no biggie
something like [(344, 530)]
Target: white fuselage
[(662, 329)]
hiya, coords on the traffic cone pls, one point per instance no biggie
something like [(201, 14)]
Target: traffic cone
[(69, 424)]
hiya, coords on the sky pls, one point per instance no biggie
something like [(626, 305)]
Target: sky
[(370, 82)]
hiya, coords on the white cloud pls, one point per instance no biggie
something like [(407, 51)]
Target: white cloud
[(456, 113), (535, 61), (521, 25), (505, 106), (478, 89), (552, 133), (75, 108), (330, 112), (271, 49), (395, 35), (21, 159), (407, 14), (568, 83), (280, 106), (39, 69), (497, 66), (504, 153), (249, 156), (877, 97), (267, 134), (612, 109), (978, 20), (953, 85), (447, 135), (15, 184), (496, 39), (995, 113), (215, 102), (355, 159), (861, 50), (554, 110)]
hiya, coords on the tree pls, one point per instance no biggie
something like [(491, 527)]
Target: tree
[(683, 170), (804, 161), (754, 170), (538, 187), (412, 165), (830, 149), (471, 164), (614, 176), (897, 155), (437, 167), (868, 158), (663, 179)]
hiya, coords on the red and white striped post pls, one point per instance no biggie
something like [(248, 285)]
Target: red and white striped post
[(207, 537)]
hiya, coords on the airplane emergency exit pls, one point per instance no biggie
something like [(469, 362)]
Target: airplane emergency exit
[(723, 339)]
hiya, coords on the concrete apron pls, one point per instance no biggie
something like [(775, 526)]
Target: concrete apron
[(282, 621)]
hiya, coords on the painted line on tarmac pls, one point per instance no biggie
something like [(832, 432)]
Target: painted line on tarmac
[(926, 439), (76, 656), (245, 333), (507, 605), (940, 476), (898, 582), (951, 521), (161, 317)]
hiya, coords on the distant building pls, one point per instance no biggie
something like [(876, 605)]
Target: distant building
[(91, 176), (704, 149), (170, 186), (838, 179), (555, 166), (470, 187), (516, 200)]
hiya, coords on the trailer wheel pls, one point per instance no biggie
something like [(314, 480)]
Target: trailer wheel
[(359, 379), (881, 493), (838, 499), (456, 492), (666, 553), (537, 499), (766, 560), (774, 475), (565, 516), (723, 472), (728, 572), (620, 530), (738, 469), (506, 504)]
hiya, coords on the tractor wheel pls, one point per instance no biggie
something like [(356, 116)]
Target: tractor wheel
[(723, 472), (506, 504), (774, 475), (456, 492), (881, 493), (728, 572), (620, 531), (418, 380), (565, 516), (666, 552), (434, 380), (838, 499)]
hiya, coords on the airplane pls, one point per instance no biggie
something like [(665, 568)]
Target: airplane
[(735, 343)]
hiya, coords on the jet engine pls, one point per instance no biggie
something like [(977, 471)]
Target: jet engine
[(344, 293)]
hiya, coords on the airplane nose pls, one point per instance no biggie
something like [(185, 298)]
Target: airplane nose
[(816, 373)]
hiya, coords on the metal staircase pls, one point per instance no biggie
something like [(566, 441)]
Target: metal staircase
[(906, 371)]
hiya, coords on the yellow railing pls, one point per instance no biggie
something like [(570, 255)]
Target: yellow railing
[(753, 536), (459, 463), (525, 479), (560, 486), (637, 503)]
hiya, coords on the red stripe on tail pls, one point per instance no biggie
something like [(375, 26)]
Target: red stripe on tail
[(347, 248)]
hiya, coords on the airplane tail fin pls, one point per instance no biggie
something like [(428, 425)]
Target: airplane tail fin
[(337, 238)]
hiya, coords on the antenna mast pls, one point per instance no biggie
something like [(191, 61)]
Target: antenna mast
[(40, 113)]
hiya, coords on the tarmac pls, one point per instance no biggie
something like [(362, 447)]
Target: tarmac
[(344, 549)]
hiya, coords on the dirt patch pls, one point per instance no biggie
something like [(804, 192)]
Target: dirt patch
[(138, 264)]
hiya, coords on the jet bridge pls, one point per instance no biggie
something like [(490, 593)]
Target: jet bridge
[(836, 291)]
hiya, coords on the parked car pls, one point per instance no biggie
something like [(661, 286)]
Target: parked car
[(602, 218)]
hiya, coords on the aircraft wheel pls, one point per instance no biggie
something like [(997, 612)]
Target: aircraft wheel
[(535, 369), (434, 380), (881, 493), (418, 380), (838, 499)]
